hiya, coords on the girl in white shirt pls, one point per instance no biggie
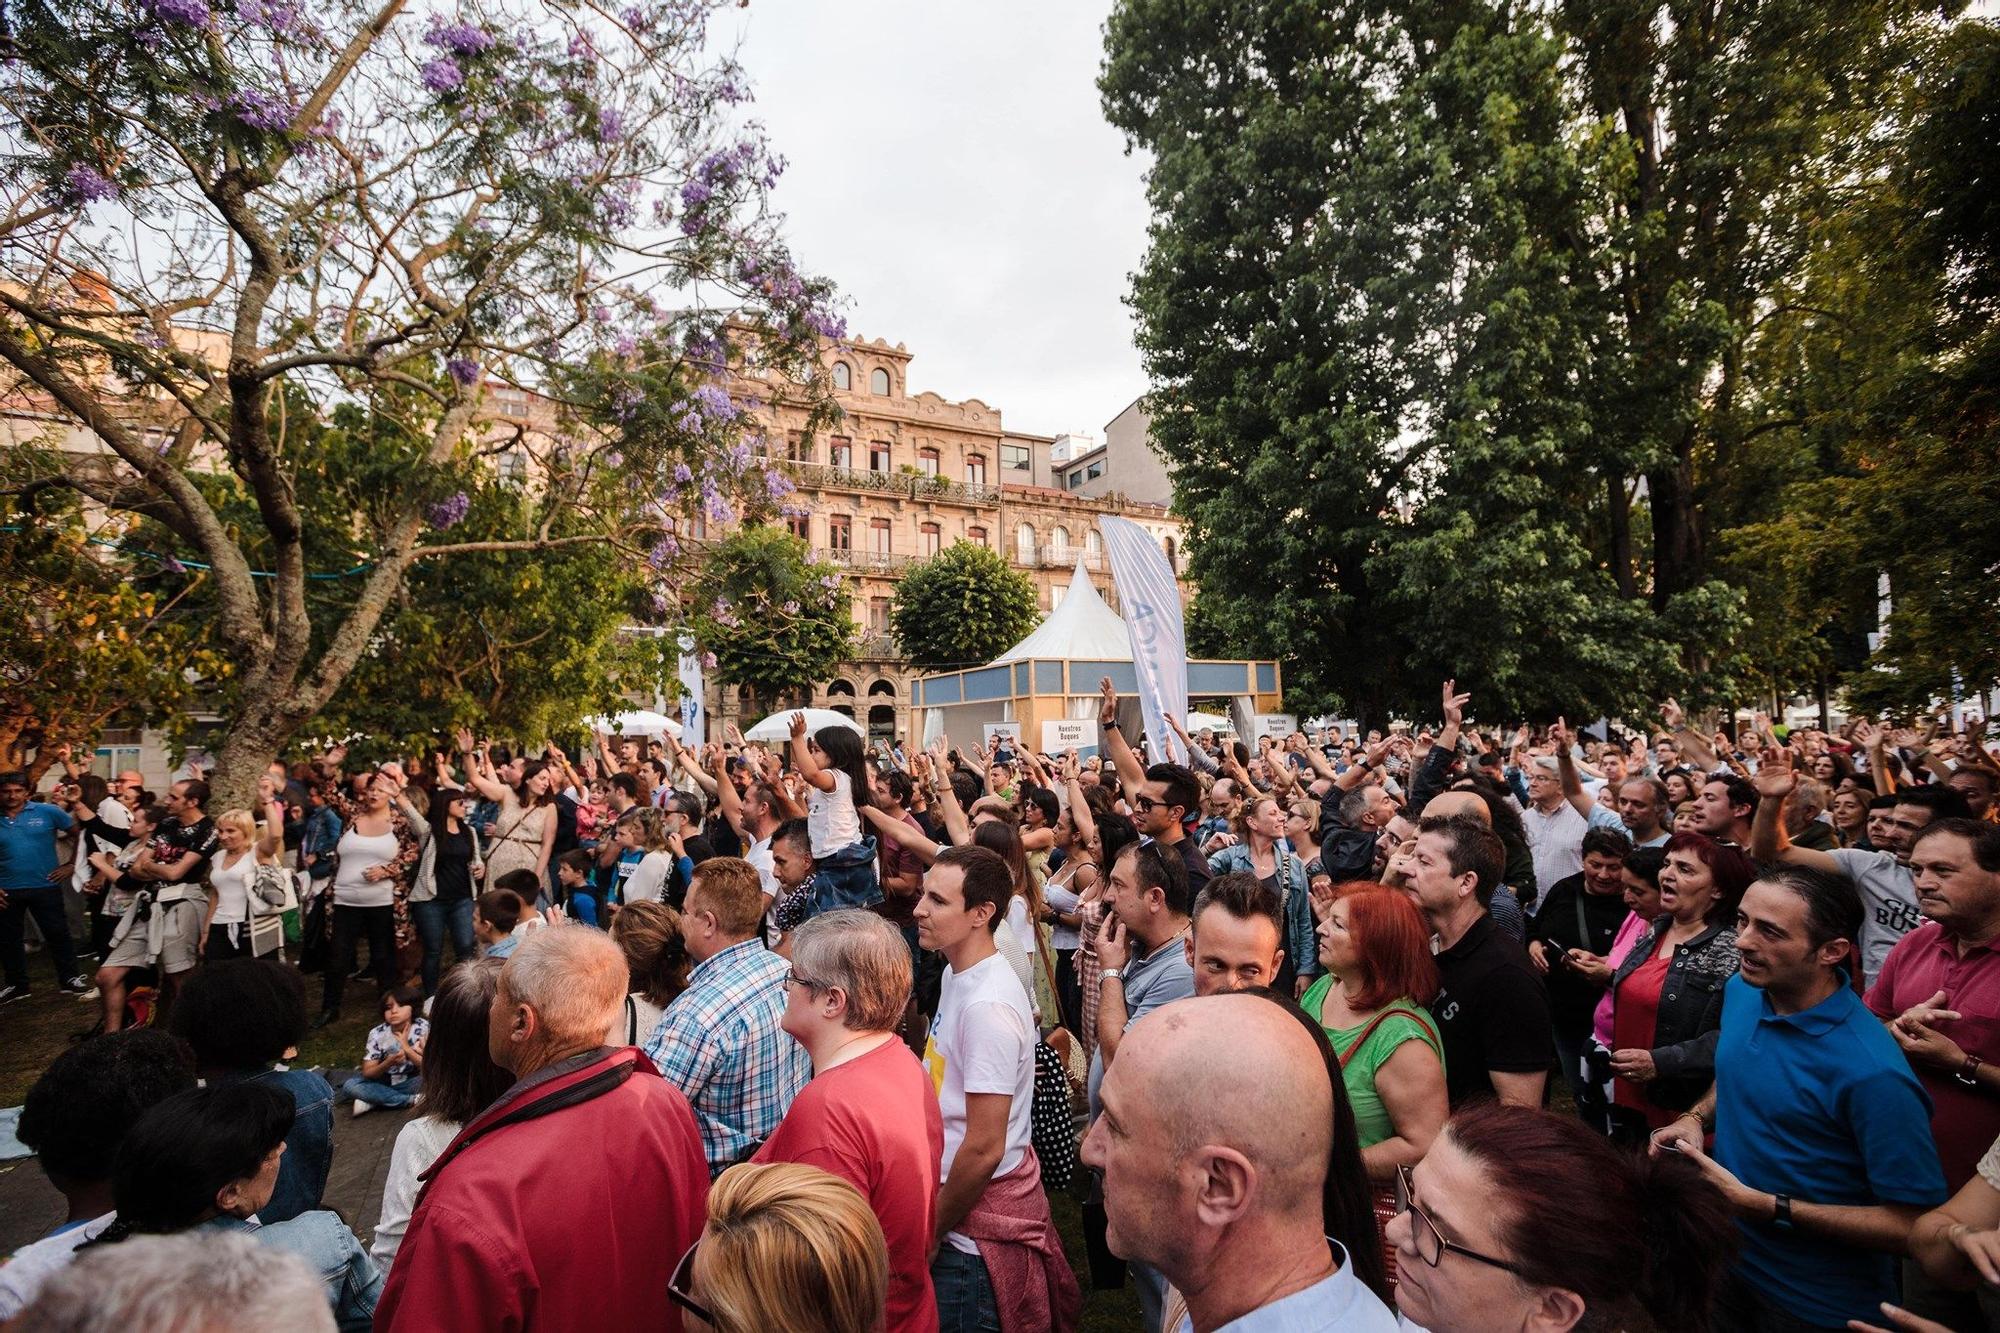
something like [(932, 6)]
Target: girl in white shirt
[(836, 776)]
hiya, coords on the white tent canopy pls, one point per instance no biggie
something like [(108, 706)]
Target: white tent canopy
[(1081, 628), (638, 722), (777, 728)]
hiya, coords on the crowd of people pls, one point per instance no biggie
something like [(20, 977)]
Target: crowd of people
[(1444, 1029)]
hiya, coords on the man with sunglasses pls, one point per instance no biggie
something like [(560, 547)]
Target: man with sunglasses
[(1162, 796)]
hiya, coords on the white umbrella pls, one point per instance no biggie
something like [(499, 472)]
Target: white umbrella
[(1208, 722), (638, 722), (777, 728)]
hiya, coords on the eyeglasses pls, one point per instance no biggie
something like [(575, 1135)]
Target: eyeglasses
[(677, 1287), (1428, 1241), (794, 979)]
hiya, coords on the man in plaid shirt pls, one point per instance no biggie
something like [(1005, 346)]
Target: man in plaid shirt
[(720, 1042)]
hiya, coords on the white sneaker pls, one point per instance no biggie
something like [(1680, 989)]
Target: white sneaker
[(92, 994), (361, 1108)]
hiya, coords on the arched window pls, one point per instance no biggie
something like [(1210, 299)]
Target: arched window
[(840, 689), (882, 722), (881, 688), (1167, 544), (878, 382), (843, 378), (1024, 543), (930, 539), (1059, 539), (927, 462), (1093, 541), (977, 536)]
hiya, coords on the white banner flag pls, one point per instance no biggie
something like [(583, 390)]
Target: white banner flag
[(1151, 602), (694, 711)]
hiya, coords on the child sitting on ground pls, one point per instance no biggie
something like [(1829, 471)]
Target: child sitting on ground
[(392, 1070)]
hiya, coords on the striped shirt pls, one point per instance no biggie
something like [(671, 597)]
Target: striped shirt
[(720, 1043)]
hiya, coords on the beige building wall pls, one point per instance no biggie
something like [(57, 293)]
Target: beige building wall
[(903, 476)]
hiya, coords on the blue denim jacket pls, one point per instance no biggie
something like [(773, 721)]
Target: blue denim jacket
[(1301, 944), (320, 841), (353, 1283), (309, 1146)]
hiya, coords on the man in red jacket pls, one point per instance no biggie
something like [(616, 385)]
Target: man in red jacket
[(565, 1204)]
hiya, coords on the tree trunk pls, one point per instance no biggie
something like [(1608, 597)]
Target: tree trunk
[(1620, 505), (1677, 544), (261, 728)]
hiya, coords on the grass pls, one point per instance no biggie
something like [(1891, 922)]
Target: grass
[(1103, 1311), (35, 1031)]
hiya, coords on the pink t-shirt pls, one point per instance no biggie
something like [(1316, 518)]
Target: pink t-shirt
[(1628, 935), (874, 1122)]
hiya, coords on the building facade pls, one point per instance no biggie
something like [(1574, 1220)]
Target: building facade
[(902, 476), (1123, 464)]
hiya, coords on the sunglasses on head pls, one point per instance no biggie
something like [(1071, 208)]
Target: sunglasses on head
[(678, 1287)]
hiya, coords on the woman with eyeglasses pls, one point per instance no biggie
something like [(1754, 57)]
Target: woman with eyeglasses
[(1525, 1219), (786, 1247)]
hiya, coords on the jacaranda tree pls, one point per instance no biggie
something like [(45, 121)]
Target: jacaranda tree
[(227, 222)]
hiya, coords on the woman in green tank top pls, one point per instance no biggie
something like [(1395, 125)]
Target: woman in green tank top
[(1379, 975)]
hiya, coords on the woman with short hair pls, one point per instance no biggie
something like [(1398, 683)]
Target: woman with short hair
[(232, 879), (208, 1160), (786, 1247), (1519, 1218), (1261, 852)]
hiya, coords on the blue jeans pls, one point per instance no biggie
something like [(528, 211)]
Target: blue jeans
[(381, 1094), (964, 1293), (846, 877), (434, 919)]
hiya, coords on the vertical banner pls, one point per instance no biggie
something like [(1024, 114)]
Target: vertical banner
[(694, 713), (1151, 602)]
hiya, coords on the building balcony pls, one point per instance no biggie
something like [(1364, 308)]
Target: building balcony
[(877, 646), (1058, 557), (866, 562), (915, 485)]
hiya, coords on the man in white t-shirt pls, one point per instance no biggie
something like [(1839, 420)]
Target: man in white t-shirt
[(1882, 876), (1555, 830), (981, 1059)]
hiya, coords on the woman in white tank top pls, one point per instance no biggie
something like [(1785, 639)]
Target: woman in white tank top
[(226, 931)]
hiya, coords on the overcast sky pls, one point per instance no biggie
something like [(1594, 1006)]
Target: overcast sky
[(948, 166)]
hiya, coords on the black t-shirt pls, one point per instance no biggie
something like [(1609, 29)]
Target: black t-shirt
[(1573, 1000), (1492, 1012), (453, 867), (175, 840), (565, 826), (1196, 863), (722, 837)]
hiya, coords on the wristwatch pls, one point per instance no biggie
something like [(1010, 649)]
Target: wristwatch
[(1111, 974), (1781, 1212), (1968, 1073)]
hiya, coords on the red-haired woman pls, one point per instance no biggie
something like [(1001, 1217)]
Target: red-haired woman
[(1666, 1013), (1527, 1219), (1379, 976)]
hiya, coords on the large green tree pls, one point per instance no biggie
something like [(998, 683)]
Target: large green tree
[(962, 607), (1452, 313), (769, 615), (224, 223)]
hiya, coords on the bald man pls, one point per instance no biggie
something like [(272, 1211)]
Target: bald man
[(1214, 1143), (589, 1143)]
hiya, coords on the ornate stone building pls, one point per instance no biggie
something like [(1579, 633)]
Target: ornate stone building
[(902, 476)]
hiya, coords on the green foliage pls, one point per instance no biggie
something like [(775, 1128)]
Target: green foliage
[(96, 636), (1471, 331), (963, 607), (775, 619)]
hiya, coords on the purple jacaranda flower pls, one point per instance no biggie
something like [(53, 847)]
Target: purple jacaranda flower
[(172, 566), (610, 125), (739, 456), (448, 512), (708, 661), (274, 16), (626, 345), (790, 608), (263, 111), (150, 38), (683, 474), (87, 185), (463, 39), (777, 485), (830, 582), (193, 13), (719, 510), (713, 402), (442, 74), (463, 369)]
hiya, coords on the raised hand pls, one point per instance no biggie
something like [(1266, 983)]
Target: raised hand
[(1774, 778), (798, 726), (1107, 711), (1454, 704), (1671, 714), (1559, 735), (1866, 734), (464, 739)]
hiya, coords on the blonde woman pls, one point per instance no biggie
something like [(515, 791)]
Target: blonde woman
[(232, 873), (786, 1246)]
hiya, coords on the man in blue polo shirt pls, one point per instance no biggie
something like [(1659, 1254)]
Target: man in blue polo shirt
[(1822, 1134), (27, 863)]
